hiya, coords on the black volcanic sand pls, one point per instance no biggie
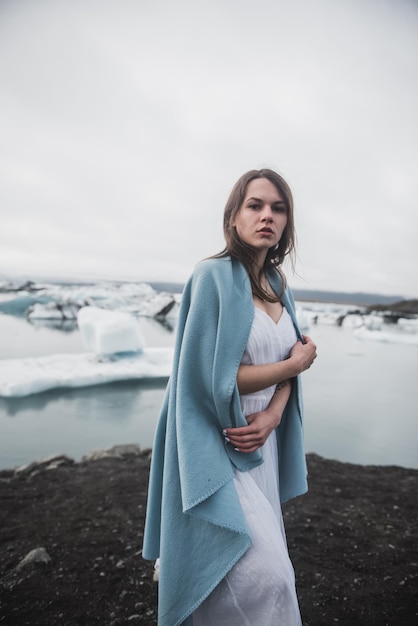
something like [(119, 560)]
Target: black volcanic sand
[(352, 539)]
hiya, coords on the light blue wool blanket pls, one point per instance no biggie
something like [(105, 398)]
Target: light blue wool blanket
[(195, 522)]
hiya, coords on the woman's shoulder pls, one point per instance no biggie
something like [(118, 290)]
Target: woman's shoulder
[(213, 266), (216, 273)]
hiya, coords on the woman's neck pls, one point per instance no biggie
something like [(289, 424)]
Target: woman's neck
[(259, 260)]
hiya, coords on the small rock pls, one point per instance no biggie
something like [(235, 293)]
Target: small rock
[(95, 455), (126, 450), (51, 462), (38, 555), (116, 452), (59, 462), (25, 469)]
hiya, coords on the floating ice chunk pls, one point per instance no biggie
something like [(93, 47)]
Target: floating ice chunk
[(53, 311), (138, 298), (328, 319), (109, 332), (22, 377), (18, 305), (159, 305), (408, 325), (353, 321), (373, 322), (386, 336), (303, 318)]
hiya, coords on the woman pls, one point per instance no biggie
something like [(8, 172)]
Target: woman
[(229, 442)]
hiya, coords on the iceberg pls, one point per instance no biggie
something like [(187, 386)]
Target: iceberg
[(325, 313), (304, 320), (409, 325), (352, 320), (54, 302), (19, 305), (52, 311), (386, 336), (373, 322), (22, 377), (109, 332), (116, 351)]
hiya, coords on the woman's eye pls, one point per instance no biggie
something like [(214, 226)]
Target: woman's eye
[(279, 209), (255, 207)]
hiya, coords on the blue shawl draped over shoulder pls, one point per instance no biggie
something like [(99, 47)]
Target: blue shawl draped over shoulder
[(195, 523)]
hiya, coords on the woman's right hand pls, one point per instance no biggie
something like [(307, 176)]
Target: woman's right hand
[(252, 378), (303, 354)]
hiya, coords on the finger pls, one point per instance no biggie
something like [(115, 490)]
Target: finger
[(239, 432), (248, 450), (247, 441), (244, 441)]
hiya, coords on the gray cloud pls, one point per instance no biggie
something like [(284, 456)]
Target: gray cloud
[(124, 126)]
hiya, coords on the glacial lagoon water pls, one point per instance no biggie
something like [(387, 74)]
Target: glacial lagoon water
[(361, 400)]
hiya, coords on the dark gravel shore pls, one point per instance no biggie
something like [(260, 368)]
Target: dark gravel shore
[(352, 539)]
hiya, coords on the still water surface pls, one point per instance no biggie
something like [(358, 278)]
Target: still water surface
[(361, 400)]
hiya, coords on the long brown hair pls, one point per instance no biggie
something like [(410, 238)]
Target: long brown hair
[(238, 249)]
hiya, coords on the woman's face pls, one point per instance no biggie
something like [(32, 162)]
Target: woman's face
[(262, 217)]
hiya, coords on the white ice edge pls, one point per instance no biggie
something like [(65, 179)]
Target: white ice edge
[(22, 377), (386, 337)]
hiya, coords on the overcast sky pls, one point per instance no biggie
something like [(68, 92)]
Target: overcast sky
[(124, 125)]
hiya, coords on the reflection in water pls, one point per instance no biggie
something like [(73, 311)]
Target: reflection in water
[(76, 421), (121, 393)]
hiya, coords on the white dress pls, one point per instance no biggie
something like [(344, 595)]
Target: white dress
[(260, 589)]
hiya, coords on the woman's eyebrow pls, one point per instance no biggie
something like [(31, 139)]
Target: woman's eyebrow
[(254, 199)]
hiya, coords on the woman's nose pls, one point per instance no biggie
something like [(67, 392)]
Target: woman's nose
[(267, 213)]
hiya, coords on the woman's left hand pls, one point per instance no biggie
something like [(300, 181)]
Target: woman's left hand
[(250, 438)]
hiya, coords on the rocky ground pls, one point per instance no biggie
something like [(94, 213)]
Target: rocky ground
[(352, 539)]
